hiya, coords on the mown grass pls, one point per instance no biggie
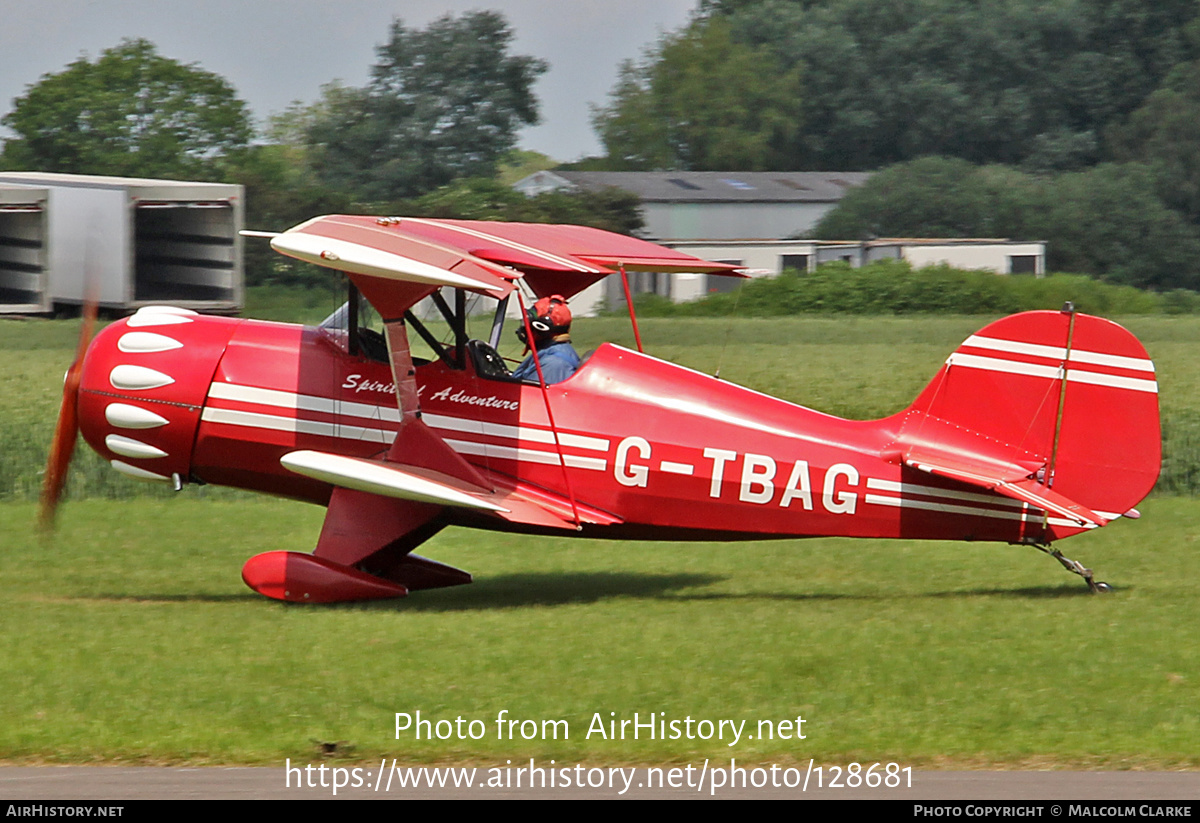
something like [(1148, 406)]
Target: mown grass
[(293, 304), (129, 636)]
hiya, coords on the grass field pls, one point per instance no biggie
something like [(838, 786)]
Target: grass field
[(129, 636)]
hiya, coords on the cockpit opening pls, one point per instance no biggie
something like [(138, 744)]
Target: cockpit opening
[(451, 330)]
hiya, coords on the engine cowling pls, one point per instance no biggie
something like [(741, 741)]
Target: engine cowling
[(143, 387)]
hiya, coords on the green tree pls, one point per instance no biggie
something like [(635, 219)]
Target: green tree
[(282, 190), (935, 197), (702, 102), (1109, 222), (1106, 221), (1024, 82), (1164, 134), (520, 163), (280, 193), (130, 112), (443, 102)]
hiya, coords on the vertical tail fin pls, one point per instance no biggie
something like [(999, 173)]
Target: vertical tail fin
[(1063, 402)]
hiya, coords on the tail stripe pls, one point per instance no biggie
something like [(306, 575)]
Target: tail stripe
[(1058, 353), (1112, 380), (1076, 375), (1114, 360)]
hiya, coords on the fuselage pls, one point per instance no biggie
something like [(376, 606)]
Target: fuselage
[(669, 452)]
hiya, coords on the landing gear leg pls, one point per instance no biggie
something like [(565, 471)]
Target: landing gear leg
[(1076, 567)]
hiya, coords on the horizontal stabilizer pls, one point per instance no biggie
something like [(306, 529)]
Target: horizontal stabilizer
[(954, 452), (1027, 490), (388, 479)]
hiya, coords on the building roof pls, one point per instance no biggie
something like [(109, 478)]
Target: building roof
[(940, 241), (706, 186), (869, 244)]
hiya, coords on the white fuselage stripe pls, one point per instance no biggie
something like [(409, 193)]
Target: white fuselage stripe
[(329, 405), (909, 489), (274, 422), (947, 508), (469, 426), (526, 455), (307, 402)]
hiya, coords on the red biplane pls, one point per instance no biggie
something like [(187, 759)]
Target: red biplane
[(1040, 426)]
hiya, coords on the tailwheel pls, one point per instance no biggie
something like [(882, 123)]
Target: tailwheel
[(1074, 566)]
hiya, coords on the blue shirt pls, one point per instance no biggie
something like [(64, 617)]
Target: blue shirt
[(559, 361)]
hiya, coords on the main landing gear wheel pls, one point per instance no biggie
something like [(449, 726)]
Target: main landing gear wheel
[(1074, 566)]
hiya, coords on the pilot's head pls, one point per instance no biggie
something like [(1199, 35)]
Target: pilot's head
[(550, 320)]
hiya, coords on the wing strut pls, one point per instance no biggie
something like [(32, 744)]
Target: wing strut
[(637, 336), (537, 364)]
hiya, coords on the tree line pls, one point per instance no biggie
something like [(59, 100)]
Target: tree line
[(1049, 85), (1071, 121), (426, 136)]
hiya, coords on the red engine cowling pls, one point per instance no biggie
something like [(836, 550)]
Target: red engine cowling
[(143, 387)]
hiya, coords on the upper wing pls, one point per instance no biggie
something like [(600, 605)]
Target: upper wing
[(392, 268), (396, 261), (554, 258)]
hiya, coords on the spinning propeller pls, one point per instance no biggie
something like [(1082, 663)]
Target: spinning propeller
[(66, 431)]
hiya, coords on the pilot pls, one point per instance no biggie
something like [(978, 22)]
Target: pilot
[(550, 320)]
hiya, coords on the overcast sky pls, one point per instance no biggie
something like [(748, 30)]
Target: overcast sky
[(277, 51)]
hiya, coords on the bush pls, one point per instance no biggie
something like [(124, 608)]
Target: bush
[(893, 287), (1181, 454)]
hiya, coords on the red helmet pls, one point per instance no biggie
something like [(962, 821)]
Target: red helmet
[(548, 317)]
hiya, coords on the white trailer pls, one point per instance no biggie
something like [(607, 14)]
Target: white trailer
[(23, 275), (130, 242)]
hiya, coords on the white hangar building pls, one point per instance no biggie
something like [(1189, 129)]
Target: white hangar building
[(714, 205), (752, 219)]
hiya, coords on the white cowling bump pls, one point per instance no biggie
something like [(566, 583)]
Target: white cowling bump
[(125, 416), (138, 378), (136, 449), (145, 342)]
